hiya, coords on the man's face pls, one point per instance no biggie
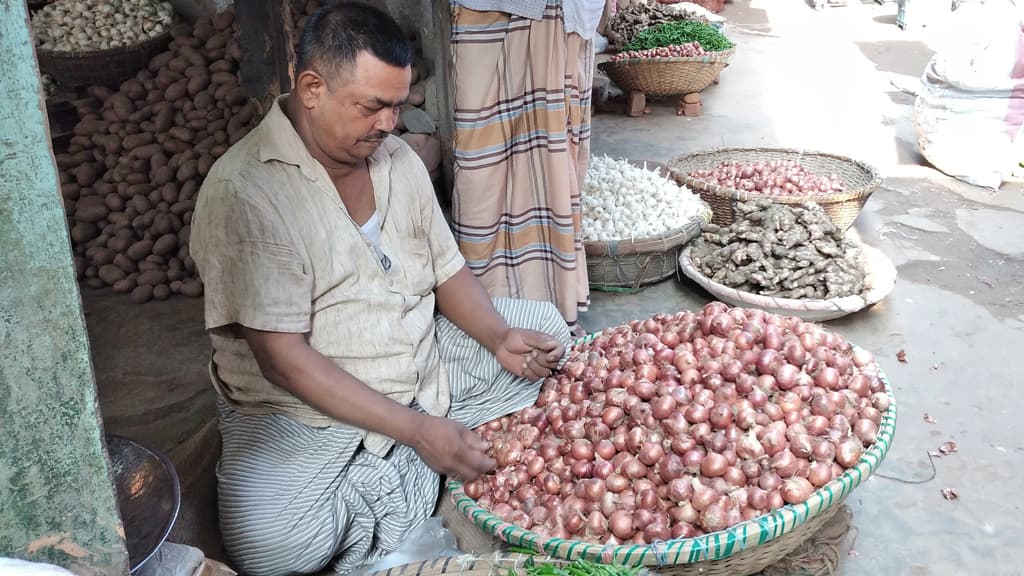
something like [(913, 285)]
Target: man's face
[(352, 113)]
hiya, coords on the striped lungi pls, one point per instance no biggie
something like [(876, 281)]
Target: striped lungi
[(294, 498), (522, 143)]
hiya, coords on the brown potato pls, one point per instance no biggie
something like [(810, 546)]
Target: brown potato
[(182, 207), (146, 266), (192, 288), (169, 192), (140, 189), (70, 191), (123, 262), (111, 274), (157, 160), (152, 277), (136, 140), (124, 285), (173, 275), (161, 292), (204, 164), (187, 170), (114, 202), (142, 294), (163, 117), (140, 250), (177, 90), (91, 211), (198, 83), (148, 151), (101, 255), (175, 286), (85, 175), (165, 244), (159, 61), (162, 175), (182, 133), (178, 63), (236, 96)]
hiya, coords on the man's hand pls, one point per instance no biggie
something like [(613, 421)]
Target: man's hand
[(451, 449), (529, 354)]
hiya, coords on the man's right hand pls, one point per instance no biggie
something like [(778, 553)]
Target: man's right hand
[(451, 449)]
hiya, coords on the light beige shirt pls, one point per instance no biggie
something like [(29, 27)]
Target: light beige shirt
[(278, 251)]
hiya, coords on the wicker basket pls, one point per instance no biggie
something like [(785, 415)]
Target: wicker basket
[(667, 76), (108, 67), (635, 263), (860, 179), (746, 548), (879, 281)]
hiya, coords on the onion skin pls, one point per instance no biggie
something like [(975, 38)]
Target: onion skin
[(796, 490)]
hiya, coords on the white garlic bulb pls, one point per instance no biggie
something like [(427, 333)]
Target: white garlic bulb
[(622, 201), (91, 25)]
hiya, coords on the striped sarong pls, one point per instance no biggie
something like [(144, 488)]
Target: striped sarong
[(295, 499), (522, 142)]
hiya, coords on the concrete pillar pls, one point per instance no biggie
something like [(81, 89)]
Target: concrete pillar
[(57, 502)]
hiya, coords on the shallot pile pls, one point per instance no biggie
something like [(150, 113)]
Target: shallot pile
[(681, 425), (781, 250), (687, 50), (621, 200), (776, 177)]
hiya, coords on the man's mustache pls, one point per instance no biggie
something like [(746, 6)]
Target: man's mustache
[(375, 137)]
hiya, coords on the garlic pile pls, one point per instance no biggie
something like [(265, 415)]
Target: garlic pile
[(92, 25), (621, 201)]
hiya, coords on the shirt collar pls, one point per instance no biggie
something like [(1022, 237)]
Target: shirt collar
[(279, 141)]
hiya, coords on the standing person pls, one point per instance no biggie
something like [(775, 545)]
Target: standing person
[(523, 77), (323, 251)]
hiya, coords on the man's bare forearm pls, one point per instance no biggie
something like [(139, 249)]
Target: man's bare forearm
[(288, 361), (463, 300)]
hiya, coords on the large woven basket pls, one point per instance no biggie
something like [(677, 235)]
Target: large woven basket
[(879, 281), (667, 76), (637, 262), (859, 178), (108, 67), (746, 548)]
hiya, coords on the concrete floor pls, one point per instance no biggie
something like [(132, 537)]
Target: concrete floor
[(800, 78)]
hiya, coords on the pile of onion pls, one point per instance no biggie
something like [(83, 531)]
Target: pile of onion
[(685, 50), (775, 177), (681, 425)]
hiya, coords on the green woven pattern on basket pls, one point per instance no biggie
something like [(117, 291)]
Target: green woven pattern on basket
[(709, 547)]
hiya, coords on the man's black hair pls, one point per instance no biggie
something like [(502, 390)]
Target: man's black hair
[(336, 33)]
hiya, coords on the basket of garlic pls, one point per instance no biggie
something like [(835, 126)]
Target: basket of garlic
[(635, 219), (100, 42)]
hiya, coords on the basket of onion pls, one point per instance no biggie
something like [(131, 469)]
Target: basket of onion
[(727, 176), (710, 442), (789, 260), (666, 71), (635, 219)]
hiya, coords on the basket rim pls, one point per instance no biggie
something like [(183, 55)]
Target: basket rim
[(704, 58), (675, 238), (709, 547), (745, 195), (880, 279), (56, 54)]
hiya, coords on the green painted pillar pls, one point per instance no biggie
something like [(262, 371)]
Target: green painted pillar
[(57, 501)]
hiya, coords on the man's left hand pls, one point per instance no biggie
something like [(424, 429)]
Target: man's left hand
[(529, 354)]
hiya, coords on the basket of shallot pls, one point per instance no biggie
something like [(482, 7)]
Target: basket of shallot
[(789, 260), (666, 71), (728, 176), (711, 442), (635, 219), (670, 59)]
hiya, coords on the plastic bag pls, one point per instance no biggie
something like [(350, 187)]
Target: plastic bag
[(428, 541), (969, 112)]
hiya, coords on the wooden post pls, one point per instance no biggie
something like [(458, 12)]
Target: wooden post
[(57, 501), (265, 37), (636, 104), (441, 106)]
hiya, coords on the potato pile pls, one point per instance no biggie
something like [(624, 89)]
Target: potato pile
[(93, 25), (134, 165)]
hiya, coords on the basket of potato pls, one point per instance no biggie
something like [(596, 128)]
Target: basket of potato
[(137, 157), (100, 42)]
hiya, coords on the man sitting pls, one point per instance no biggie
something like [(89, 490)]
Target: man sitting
[(324, 252)]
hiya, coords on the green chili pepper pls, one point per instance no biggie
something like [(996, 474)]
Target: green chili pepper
[(680, 32)]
